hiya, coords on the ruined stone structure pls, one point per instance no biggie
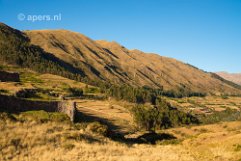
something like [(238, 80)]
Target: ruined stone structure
[(15, 105), (67, 107), (9, 77)]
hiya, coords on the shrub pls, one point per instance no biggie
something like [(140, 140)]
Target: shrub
[(224, 96), (80, 126), (26, 93), (88, 89), (98, 128), (3, 91), (131, 94), (68, 146), (76, 92), (237, 147), (144, 94), (58, 117), (6, 116), (226, 115), (160, 116)]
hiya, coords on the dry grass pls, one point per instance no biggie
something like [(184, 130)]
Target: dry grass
[(31, 140), (142, 68), (12, 87), (57, 85), (113, 111), (207, 104)]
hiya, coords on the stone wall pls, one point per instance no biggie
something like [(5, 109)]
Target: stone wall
[(67, 107), (9, 77), (16, 105)]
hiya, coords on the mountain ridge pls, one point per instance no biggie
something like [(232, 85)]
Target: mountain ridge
[(112, 63), (233, 77)]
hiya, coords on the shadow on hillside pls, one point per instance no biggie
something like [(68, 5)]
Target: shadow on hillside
[(81, 117), (115, 132)]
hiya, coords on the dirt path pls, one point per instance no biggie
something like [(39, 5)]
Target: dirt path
[(115, 116)]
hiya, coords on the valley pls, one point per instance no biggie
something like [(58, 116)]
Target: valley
[(126, 104)]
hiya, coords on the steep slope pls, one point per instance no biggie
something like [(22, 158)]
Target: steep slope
[(114, 63), (80, 51), (76, 56), (233, 77), (16, 49)]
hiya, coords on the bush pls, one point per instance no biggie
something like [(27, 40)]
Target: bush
[(237, 147), (26, 93), (226, 115), (144, 94), (224, 96), (80, 126), (6, 117), (160, 116), (131, 94), (76, 92), (98, 128), (88, 89), (3, 91), (68, 146)]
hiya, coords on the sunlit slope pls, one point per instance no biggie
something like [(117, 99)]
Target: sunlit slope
[(111, 62)]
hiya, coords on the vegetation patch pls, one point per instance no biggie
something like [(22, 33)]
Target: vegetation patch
[(75, 92), (91, 90), (226, 115), (160, 116), (98, 128), (3, 91), (68, 146), (42, 116), (169, 142), (6, 116), (237, 147), (27, 93)]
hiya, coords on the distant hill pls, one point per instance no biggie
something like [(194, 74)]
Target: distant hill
[(74, 55), (233, 77)]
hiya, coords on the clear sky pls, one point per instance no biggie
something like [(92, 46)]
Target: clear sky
[(205, 33)]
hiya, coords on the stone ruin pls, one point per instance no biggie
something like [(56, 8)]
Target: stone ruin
[(15, 105)]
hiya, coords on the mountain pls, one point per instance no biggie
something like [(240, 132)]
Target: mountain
[(72, 55), (233, 77), (16, 49), (109, 61)]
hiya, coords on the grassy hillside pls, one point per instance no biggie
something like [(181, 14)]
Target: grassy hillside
[(16, 49), (111, 62), (75, 56), (25, 138)]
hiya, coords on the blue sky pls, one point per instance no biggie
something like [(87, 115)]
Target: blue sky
[(205, 33)]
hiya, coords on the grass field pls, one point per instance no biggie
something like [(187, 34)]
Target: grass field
[(41, 136), (52, 140), (207, 105)]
